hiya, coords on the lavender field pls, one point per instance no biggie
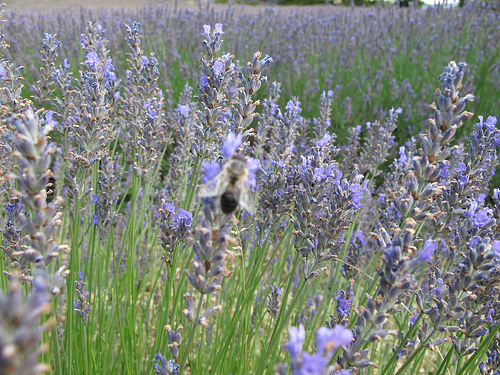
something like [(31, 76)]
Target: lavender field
[(207, 191)]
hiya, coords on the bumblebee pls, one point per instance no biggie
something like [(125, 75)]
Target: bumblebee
[(231, 186)]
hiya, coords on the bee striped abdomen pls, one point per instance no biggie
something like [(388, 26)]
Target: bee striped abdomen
[(228, 202)]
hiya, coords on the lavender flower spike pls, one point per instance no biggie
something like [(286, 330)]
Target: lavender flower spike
[(233, 141)]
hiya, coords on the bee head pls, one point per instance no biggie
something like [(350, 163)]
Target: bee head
[(238, 164)]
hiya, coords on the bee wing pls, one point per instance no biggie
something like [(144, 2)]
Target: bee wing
[(215, 187), (247, 197)]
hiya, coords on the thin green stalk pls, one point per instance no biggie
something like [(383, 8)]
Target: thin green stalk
[(275, 338), (191, 335)]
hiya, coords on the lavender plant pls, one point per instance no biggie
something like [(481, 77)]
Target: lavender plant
[(230, 230)]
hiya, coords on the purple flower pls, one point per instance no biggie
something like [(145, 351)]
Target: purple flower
[(48, 118), (489, 318), (358, 193), (206, 30), (439, 288), (327, 340), (273, 108), (218, 29), (360, 236), (428, 250), (463, 180), (496, 194), (444, 172), (232, 142), (319, 174), (145, 61), (203, 81), (402, 159), (461, 168), (295, 340), (210, 170), (312, 364), (226, 115), (472, 209), (397, 111), (183, 110), (95, 199), (343, 305), (80, 275), (183, 218), (475, 241), (253, 166), (290, 107), (109, 70), (496, 248), (92, 59), (482, 217), (2, 71), (218, 67), (169, 207), (324, 141), (490, 122), (413, 320)]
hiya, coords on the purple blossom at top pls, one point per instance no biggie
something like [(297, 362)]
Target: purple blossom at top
[(218, 28), (206, 30), (330, 339), (402, 158), (49, 119), (290, 107), (92, 59), (324, 141), (427, 251), (491, 122), (183, 110), (295, 340), (231, 144), (210, 170), (312, 364), (109, 70), (183, 218)]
